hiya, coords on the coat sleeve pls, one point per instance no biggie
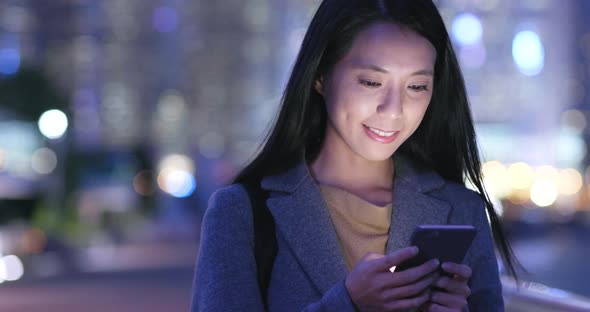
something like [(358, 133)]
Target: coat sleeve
[(336, 299), (225, 276), (486, 289)]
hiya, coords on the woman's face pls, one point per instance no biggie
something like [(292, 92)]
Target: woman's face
[(377, 94)]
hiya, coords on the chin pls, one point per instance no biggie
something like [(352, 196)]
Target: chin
[(373, 151), (378, 156)]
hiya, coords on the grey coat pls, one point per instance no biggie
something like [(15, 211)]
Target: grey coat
[(309, 270)]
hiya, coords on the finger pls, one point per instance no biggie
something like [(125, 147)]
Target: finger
[(453, 286), (370, 262), (425, 307), (413, 274), (392, 292), (409, 303), (369, 256), (448, 300), (460, 271), (397, 257), (433, 307)]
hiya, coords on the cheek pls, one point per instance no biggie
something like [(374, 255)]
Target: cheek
[(415, 114), (346, 103)]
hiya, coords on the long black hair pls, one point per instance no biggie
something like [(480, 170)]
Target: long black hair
[(444, 141)]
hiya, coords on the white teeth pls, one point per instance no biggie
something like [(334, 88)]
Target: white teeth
[(381, 133)]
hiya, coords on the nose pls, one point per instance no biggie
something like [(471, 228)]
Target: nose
[(391, 105)]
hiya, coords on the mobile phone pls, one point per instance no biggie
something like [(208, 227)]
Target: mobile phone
[(447, 243)]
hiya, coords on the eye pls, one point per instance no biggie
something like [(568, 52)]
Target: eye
[(369, 83), (418, 88)]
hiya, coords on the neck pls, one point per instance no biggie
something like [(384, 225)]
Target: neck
[(338, 167)]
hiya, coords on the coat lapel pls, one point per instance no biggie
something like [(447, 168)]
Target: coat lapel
[(410, 209), (303, 221), (412, 206)]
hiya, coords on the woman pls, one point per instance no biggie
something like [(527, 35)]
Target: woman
[(373, 138)]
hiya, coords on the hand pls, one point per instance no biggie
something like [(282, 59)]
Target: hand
[(450, 293), (372, 287)]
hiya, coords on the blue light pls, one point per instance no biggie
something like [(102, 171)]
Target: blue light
[(528, 53), (467, 29), (9, 61), (180, 183), (165, 19)]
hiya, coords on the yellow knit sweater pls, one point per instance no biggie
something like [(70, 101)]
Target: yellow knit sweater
[(361, 227)]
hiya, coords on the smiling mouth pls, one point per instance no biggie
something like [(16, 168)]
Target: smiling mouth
[(381, 132)]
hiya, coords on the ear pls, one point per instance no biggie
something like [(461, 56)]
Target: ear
[(319, 85)]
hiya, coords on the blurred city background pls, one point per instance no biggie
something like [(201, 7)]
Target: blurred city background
[(118, 119)]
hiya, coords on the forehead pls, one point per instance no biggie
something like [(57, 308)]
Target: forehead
[(391, 46)]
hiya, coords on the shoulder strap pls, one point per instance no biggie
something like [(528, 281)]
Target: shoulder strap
[(265, 242)]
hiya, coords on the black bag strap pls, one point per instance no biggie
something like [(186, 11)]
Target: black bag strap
[(265, 242)]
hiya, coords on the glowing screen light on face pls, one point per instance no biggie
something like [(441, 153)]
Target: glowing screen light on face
[(528, 53), (467, 29)]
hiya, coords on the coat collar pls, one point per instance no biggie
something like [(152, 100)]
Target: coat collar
[(303, 221), (416, 176)]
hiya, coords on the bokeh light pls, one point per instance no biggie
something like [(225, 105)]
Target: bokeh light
[(496, 178), (177, 161), (520, 197), (143, 183), (574, 119), (546, 173), (10, 54), (34, 240), (176, 176), (9, 61), (171, 106), (544, 193), (11, 268), (570, 181), (521, 175), (544, 190), (53, 124), (571, 147), (467, 29), (178, 183), (528, 53), (44, 160)]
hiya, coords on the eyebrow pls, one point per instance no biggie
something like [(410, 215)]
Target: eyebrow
[(421, 72)]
